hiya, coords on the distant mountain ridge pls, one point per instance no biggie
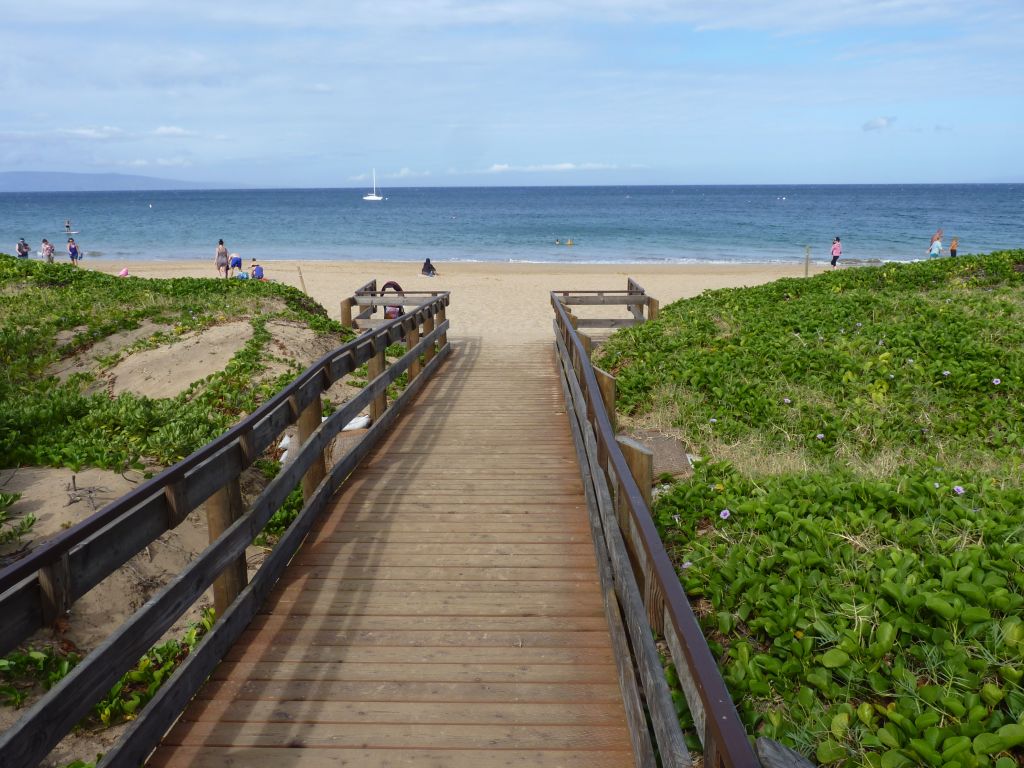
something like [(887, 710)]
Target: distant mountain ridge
[(56, 181)]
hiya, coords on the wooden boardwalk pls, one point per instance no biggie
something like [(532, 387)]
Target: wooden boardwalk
[(446, 612)]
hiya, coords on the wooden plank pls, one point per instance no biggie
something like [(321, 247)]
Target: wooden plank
[(457, 572), (441, 605), (406, 713), (547, 674), (421, 638), (274, 757), (584, 738), (356, 620), (406, 691)]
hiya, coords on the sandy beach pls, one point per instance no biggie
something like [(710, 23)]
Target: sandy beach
[(491, 301)]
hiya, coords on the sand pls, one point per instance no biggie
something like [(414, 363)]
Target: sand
[(490, 301)]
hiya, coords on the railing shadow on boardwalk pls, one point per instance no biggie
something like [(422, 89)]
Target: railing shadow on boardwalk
[(39, 589), (317, 675)]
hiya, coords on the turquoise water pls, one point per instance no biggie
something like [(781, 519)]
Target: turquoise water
[(606, 224)]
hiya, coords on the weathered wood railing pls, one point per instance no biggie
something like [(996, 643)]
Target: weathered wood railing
[(40, 587), (642, 590)]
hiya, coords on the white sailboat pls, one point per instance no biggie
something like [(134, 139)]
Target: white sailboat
[(373, 195)]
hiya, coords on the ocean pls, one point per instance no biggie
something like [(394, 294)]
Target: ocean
[(639, 224)]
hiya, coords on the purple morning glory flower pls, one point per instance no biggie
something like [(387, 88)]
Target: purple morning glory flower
[(820, 436), (687, 564), (724, 514), (859, 324), (945, 373), (997, 382), (713, 420), (786, 400), (958, 490)]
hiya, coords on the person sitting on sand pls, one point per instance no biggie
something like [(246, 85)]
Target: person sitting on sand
[(428, 269), (255, 271)]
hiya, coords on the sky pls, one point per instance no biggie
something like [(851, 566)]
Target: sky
[(313, 93)]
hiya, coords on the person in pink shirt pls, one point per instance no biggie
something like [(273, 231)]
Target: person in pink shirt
[(837, 251)]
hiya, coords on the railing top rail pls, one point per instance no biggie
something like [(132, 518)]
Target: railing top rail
[(722, 718), (52, 549)]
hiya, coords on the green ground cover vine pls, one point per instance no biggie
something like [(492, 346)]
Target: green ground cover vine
[(44, 421), (865, 612)]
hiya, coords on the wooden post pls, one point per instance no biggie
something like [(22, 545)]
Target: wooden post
[(428, 328), (412, 338), (223, 508), (443, 338), (308, 422), (652, 308), (346, 312), (606, 382), (588, 345), (374, 368), (54, 585), (640, 461)]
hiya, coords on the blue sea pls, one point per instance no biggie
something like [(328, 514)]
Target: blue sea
[(606, 224)]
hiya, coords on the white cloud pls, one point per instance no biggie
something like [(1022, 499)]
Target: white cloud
[(549, 167), (173, 131), (780, 16), (408, 173), (878, 124), (106, 133), (173, 162)]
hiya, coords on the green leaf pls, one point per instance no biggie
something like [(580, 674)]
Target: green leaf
[(835, 658)]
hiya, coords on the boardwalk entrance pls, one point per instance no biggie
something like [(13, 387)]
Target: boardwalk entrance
[(445, 612)]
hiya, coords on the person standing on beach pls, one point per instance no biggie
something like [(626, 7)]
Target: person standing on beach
[(953, 245), (221, 258), (235, 263), (73, 251), (837, 251), (46, 250), (22, 249), (935, 249)]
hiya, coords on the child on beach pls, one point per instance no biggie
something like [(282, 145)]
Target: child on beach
[(46, 251), (837, 251), (953, 245)]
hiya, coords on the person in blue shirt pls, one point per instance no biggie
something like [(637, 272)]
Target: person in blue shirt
[(256, 271)]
